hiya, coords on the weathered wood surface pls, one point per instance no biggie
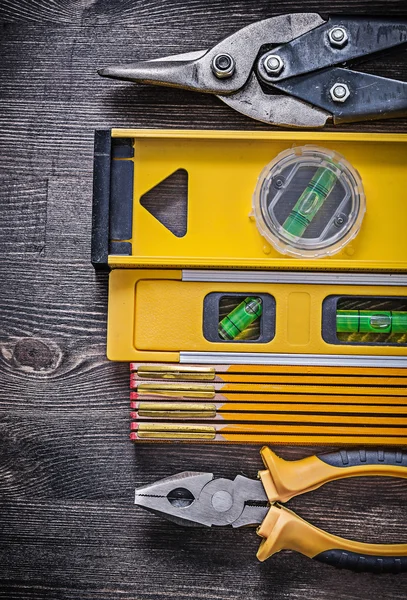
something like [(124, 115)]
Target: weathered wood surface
[(67, 470)]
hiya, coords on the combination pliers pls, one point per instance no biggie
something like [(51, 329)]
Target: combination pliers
[(194, 498), (283, 70)]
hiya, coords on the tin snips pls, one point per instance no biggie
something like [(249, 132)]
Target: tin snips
[(290, 70)]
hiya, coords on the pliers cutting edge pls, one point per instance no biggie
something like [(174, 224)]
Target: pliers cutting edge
[(282, 70), (199, 499)]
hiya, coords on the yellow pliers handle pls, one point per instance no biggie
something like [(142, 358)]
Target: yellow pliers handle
[(284, 530)]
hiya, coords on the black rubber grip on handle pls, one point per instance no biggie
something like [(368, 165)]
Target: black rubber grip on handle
[(344, 559), (359, 458)]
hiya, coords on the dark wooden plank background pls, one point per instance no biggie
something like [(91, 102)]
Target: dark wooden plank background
[(67, 469)]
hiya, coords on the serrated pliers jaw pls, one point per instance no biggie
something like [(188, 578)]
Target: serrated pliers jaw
[(193, 499)]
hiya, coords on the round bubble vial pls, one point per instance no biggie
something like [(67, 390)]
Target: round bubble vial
[(309, 202)]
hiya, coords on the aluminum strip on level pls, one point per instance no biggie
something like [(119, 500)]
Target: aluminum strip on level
[(263, 358), (293, 277)]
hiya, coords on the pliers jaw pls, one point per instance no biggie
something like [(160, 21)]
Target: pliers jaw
[(173, 497), (194, 499)]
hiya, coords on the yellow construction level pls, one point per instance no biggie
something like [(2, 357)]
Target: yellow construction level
[(204, 181), (163, 315)]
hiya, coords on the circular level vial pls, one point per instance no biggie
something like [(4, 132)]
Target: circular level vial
[(309, 202)]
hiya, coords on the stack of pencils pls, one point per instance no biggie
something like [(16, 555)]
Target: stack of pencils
[(268, 404)]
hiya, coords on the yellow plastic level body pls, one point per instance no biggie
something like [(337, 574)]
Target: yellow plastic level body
[(154, 315), (223, 167)]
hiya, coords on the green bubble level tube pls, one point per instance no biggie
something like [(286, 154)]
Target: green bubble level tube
[(240, 318), (310, 201), (371, 321)]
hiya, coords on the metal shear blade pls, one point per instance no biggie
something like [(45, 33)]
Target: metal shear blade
[(193, 499), (195, 71)]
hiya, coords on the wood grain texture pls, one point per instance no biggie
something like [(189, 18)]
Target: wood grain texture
[(69, 530), (23, 214)]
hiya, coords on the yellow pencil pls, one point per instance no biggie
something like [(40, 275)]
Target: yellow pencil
[(273, 434), (250, 398), (285, 378), (239, 372), (234, 411), (209, 390)]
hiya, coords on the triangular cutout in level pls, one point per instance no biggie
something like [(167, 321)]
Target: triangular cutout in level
[(168, 202)]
